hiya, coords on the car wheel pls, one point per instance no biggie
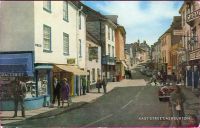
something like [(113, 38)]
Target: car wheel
[(160, 99)]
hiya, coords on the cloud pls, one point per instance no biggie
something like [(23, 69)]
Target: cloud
[(141, 19)]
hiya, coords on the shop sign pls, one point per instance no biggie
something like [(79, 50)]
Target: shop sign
[(194, 15), (4, 74), (195, 55), (93, 53), (178, 32), (71, 61)]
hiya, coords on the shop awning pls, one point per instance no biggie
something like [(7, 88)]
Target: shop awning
[(43, 67), (124, 64), (72, 69), (16, 64)]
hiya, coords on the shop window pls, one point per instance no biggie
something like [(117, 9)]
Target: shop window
[(6, 88), (30, 89), (42, 82)]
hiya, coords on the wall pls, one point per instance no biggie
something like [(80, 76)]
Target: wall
[(58, 26), (16, 26)]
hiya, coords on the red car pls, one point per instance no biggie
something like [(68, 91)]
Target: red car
[(164, 93)]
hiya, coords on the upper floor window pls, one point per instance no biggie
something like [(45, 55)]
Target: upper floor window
[(109, 49), (79, 20), (112, 35), (80, 48), (65, 43), (47, 5), (65, 10), (108, 33), (46, 38), (113, 51)]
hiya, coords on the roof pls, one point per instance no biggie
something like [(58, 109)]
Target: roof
[(92, 15), (92, 38)]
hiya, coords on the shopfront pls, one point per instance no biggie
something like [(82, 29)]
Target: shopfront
[(37, 78), (73, 74)]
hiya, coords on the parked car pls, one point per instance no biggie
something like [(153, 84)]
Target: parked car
[(164, 93)]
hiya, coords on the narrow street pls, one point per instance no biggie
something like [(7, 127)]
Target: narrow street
[(123, 106)]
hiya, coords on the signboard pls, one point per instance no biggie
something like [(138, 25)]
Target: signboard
[(178, 32), (93, 53), (194, 15), (71, 61), (195, 55)]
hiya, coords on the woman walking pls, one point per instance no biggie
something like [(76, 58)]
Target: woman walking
[(65, 91)]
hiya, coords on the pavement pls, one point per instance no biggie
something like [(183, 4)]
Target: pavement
[(77, 102)]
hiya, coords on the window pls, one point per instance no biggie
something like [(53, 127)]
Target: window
[(65, 10), (109, 49), (46, 38), (108, 33), (79, 20), (93, 74), (112, 35), (65, 43), (113, 50), (80, 48), (47, 6)]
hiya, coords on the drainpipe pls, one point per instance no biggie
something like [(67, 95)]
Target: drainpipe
[(77, 45)]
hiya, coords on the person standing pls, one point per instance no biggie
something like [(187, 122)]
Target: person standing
[(65, 89), (104, 83), (84, 85), (56, 91), (19, 94), (98, 84), (177, 98)]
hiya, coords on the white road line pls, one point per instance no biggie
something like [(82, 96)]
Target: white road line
[(103, 118), (127, 104)]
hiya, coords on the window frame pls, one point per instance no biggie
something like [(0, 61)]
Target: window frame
[(46, 8), (50, 43), (65, 10), (67, 44)]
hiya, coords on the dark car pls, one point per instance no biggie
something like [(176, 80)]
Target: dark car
[(164, 93)]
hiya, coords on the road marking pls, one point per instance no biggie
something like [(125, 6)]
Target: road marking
[(127, 104), (103, 118)]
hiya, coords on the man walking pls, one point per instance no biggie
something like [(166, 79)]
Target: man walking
[(19, 93), (56, 91)]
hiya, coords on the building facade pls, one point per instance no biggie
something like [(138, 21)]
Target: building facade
[(93, 60), (52, 45)]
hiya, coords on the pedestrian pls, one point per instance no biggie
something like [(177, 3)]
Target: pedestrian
[(56, 91), (104, 83), (19, 93), (177, 98), (193, 122), (98, 84), (173, 79), (65, 91), (84, 85)]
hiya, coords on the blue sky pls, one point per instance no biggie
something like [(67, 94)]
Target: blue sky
[(144, 20)]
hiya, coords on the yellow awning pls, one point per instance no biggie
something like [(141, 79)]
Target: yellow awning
[(72, 69)]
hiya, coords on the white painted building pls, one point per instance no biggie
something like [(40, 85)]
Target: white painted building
[(41, 35), (93, 59)]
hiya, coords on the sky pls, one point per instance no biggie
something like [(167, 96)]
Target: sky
[(143, 20)]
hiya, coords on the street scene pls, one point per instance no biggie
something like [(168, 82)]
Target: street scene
[(99, 64)]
